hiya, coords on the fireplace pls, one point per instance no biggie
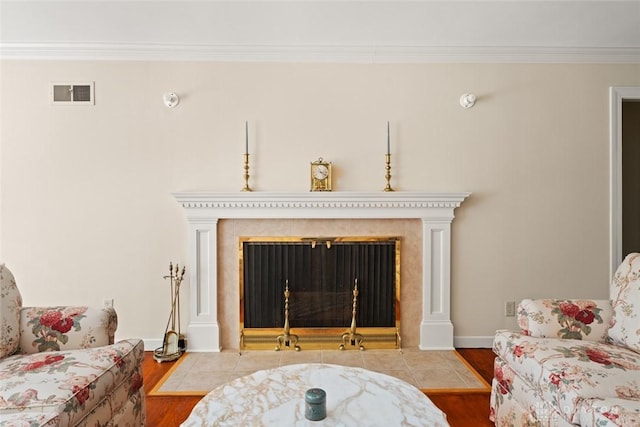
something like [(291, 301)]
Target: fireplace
[(321, 275), (427, 216)]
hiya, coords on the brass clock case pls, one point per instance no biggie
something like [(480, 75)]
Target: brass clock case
[(320, 175)]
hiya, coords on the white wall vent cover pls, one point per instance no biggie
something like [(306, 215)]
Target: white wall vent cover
[(77, 93)]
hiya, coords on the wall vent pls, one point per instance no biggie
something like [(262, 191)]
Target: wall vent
[(78, 93)]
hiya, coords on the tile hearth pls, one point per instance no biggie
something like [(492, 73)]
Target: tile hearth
[(427, 370)]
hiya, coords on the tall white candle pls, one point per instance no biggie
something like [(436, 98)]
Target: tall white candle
[(246, 139), (388, 140)]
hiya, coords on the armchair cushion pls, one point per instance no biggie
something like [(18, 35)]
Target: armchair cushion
[(10, 304), (67, 387), (575, 319), (565, 373)]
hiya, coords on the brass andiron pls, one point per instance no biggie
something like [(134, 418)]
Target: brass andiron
[(286, 338), (351, 336), (246, 173), (387, 174)]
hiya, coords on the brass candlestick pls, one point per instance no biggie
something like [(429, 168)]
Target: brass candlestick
[(387, 174), (246, 173)]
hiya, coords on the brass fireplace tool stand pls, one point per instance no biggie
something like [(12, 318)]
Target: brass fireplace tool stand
[(352, 336), (174, 343), (286, 338)]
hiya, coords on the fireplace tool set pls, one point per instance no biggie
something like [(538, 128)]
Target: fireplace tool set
[(351, 337), (174, 343)]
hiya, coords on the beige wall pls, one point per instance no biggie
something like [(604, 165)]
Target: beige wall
[(87, 212)]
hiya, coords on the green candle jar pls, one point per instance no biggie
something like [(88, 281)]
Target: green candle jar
[(315, 404)]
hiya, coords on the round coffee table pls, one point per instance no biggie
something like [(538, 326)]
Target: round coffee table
[(355, 397)]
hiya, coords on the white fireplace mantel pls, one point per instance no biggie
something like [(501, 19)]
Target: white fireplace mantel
[(204, 209)]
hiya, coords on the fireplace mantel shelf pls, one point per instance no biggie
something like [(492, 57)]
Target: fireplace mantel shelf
[(204, 210), (318, 204)]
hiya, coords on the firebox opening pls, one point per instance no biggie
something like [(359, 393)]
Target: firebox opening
[(320, 275)]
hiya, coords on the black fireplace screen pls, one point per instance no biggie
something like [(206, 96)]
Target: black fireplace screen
[(321, 275)]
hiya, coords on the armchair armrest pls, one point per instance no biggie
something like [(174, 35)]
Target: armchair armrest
[(573, 319), (66, 328)]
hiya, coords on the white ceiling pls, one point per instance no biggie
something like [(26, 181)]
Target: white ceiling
[(322, 30)]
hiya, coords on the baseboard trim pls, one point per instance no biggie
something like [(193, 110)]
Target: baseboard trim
[(151, 344), (473, 342)]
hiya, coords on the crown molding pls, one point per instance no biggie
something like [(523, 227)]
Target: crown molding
[(52, 51), (358, 31)]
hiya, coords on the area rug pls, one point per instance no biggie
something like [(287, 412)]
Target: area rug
[(196, 374)]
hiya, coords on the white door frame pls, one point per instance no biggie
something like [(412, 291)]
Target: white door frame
[(617, 94)]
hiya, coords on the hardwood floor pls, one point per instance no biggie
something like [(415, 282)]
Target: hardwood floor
[(462, 409), (469, 409)]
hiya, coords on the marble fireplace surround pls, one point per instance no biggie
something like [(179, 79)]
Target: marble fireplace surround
[(204, 210)]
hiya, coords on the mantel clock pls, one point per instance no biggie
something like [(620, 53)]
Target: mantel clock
[(320, 175)]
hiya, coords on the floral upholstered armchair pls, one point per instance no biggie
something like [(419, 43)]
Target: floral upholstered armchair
[(573, 362), (59, 366)]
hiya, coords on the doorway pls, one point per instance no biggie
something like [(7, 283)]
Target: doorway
[(625, 154), (630, 176)]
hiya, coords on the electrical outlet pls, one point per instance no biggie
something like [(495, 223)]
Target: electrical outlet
[(107, 303), (510, 308)]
